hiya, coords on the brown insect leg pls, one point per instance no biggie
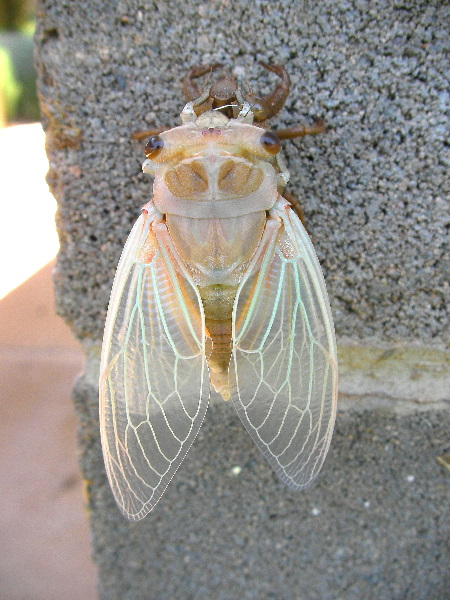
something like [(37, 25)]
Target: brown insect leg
[(141, 135), (270, 105), (189, 87), (300, 130), (296, 206)]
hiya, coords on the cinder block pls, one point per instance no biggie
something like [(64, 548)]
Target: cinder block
[(374, 190)]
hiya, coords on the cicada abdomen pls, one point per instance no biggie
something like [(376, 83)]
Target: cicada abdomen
[(218, 284)]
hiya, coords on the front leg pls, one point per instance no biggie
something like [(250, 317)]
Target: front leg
[(296, 207)]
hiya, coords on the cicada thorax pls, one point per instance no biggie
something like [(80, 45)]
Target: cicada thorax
[(215, 193), (217, 253)]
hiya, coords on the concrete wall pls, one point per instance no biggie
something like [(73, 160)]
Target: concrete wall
[(375, 196)]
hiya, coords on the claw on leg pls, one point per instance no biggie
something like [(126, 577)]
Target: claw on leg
[(189, 87), (268, 106)]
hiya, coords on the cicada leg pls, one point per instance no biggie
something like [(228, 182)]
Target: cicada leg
[(268, 106), (289, 133), (189, 87), (296, 206), (142, 135)]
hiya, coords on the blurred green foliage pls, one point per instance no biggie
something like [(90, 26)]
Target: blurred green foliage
[(16, 14), (10, 88), (18, 100)]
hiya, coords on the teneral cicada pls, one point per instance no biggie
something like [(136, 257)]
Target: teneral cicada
[(218, 284)]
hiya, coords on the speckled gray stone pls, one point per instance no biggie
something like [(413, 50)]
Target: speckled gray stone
[(374, 189), (375, 192), (375, 525)]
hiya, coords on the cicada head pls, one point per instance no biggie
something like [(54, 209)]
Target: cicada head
[(224, 120), (205, 164)]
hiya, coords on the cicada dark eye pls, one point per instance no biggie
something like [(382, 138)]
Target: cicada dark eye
[(153, 147), (270, 142)]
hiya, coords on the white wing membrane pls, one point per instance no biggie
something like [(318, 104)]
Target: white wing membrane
[(154, 380), (283, 370)]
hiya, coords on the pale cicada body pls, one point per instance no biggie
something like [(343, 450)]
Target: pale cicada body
[(218, 284)]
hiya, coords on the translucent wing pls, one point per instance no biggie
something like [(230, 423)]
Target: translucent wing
[(284, 368), (154, 381)]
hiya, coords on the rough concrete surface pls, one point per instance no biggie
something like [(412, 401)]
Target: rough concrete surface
[(374, 189), (375, 195), (375, 525)]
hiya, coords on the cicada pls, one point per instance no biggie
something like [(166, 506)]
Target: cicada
[(218, 285)]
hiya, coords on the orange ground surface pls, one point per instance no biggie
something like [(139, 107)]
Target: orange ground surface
[(44, 534)]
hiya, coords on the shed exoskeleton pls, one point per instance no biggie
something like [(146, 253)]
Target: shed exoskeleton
[(218, 284)]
